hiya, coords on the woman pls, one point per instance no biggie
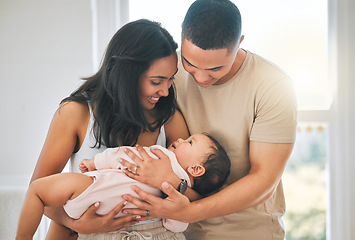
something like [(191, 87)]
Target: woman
[(129, 101)]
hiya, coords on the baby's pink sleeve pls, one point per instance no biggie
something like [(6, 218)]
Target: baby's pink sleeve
[(174, 226), (110, 158)]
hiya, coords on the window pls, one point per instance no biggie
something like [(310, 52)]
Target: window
[(293, 35)]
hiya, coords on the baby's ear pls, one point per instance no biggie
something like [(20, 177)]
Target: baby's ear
[(196, 170)]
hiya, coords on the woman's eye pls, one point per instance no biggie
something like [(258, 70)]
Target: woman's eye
[(155, 83), (190, 142)]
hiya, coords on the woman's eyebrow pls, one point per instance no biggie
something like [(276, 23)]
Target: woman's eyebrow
[(162, 77)]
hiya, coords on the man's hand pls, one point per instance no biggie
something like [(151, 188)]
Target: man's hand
[(149, 170), (175, 206)]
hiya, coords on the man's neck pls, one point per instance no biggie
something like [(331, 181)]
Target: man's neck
[(238, 62)]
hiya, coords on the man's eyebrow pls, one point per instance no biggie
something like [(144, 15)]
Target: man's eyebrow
[(214, 68), (189, 62)]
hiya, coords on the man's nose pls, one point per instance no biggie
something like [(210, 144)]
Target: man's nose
[(201, 76)]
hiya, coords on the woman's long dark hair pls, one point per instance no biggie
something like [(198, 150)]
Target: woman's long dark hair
[(114, 90)]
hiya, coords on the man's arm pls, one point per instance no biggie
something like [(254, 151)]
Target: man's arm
[(268, 161)]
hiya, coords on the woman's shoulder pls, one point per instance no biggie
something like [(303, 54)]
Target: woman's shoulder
[(73, 108), (73, 112)]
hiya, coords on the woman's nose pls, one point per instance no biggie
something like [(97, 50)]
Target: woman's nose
[(164, 91)]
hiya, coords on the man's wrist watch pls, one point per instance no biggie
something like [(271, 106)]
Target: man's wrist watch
[(182, 186)]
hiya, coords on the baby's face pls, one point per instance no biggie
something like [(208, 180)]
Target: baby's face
[(191, 151)]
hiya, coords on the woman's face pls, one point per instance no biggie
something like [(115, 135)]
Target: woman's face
[(156, 81)]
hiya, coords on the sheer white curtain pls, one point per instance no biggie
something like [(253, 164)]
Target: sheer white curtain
[(341, 195)]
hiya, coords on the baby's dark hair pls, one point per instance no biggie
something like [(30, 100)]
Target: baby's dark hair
[(217, 168)]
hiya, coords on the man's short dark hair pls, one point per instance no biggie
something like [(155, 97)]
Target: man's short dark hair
[(217, 169), (212, 24)]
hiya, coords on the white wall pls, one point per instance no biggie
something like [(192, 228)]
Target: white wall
[(45, 47)]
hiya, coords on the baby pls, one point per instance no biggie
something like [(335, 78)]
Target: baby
[(198, 160)]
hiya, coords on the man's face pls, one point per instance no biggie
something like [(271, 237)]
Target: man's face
[(208, 67)]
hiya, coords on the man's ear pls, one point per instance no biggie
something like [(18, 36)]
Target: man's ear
[(241, 40), (196, 170)]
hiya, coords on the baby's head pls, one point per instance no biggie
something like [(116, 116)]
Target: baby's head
[(204, 159)]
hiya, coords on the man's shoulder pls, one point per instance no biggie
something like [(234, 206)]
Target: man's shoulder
[(262, 65)]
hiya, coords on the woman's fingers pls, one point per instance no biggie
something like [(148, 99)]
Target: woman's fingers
[(133, 175), (90, 222), (143, 153), (159, 153), (116, 210), (140, 162), (132, 168), (134, 156)]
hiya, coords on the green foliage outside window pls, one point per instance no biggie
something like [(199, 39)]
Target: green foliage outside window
[(305, 187)]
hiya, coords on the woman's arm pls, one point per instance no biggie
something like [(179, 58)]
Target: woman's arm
[(268, 161), (65, 135)]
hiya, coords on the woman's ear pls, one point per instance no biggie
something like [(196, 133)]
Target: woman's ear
[(196, 170)]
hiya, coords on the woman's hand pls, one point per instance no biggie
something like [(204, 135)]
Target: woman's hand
[(90, 222), (176, 206), (151, 171)]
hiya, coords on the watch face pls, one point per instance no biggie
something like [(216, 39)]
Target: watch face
[(183, 186)]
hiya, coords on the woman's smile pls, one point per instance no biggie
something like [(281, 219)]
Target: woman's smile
[(153, 100)]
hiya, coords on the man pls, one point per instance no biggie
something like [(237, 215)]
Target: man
[(249, 106)]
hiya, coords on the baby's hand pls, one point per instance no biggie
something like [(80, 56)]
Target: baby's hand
[(86, 165)]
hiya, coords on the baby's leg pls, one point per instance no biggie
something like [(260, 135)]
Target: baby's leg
[(51, 191)]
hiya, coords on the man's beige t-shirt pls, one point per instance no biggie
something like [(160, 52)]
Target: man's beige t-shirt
[(257, 104)]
